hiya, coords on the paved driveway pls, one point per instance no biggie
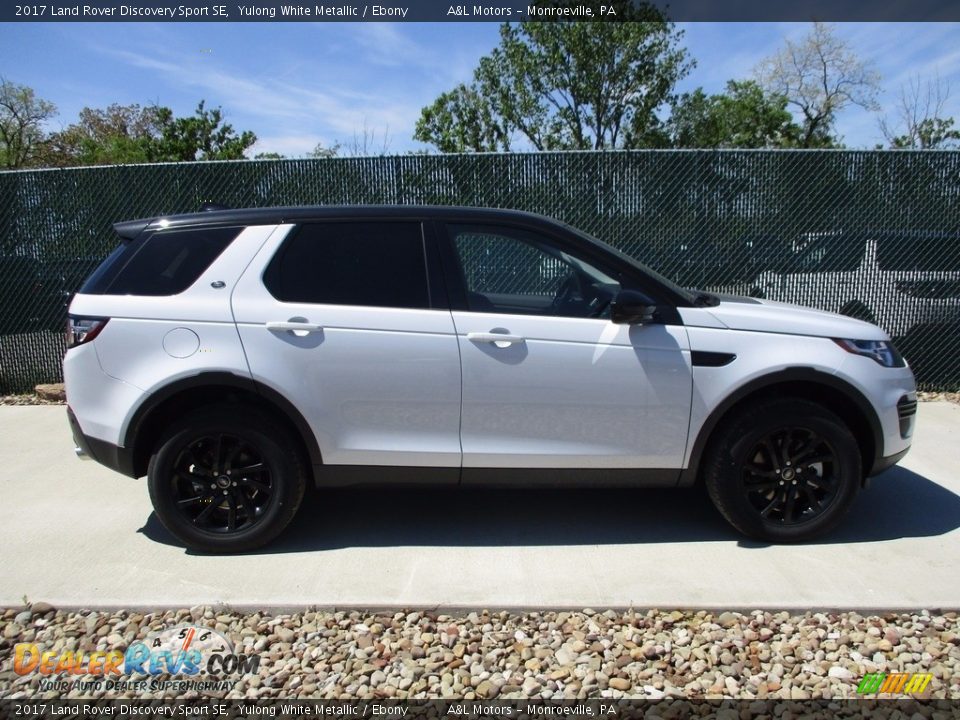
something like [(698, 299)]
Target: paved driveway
[(75, 534)]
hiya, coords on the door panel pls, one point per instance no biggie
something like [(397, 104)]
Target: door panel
[(574, 393), (378, 385)]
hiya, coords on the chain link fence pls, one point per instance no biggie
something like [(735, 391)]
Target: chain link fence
[(873, 234)]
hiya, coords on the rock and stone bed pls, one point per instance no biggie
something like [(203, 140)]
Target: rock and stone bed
[(484, 655)]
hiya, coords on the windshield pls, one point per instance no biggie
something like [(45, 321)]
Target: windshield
[(690, 297)]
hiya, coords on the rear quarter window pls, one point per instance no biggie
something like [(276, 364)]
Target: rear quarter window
[(165, 262), (373, 264)]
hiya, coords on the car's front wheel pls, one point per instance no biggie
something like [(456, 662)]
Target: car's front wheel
[(226, 480), (783, 470)]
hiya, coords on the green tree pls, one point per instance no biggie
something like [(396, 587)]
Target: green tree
[(461, 121), (22, 114), (201, 136), (111, 136), (565, 86), (820, 76), (745, 116)]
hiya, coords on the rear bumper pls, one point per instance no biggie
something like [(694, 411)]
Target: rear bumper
[(116, 458)]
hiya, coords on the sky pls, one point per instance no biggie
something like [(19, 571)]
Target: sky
[(297, 85)]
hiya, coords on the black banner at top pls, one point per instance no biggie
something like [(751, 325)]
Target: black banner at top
[(475, 11)]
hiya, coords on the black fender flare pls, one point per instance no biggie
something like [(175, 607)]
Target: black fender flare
[(790, 375), (230, 380)]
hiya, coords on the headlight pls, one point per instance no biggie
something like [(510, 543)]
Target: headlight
[(881, 351)]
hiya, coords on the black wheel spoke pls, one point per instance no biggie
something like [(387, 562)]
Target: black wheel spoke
[(785, 448), (218, 455), (771, 453), (791, 501), (231, 513), (255, 468), (765, 485), (248, 507), (758, 471), (255, 484), (807, 448), (773, 504), (204, 514), (231, 456), (190, 502)]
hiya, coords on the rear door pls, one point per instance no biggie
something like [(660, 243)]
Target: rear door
[(343, 320)]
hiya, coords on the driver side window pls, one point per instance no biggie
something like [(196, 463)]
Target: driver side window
[(507, 270)]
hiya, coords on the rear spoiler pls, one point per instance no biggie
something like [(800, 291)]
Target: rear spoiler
[(130, 229)]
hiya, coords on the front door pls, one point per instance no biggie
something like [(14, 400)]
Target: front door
[(548, 380)]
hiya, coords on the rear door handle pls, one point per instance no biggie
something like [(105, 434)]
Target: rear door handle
[(501, 340), (297, 327)]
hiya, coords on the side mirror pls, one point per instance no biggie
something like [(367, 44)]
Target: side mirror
[(632, 308)]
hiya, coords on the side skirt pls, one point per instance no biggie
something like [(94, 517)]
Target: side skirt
[(350, 475)]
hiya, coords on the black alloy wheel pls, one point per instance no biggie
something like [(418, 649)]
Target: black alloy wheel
[(783, 469), (791, 475), (227, 478), (221, 484)]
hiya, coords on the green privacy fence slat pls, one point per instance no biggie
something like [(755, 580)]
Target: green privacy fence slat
[(875, 234)]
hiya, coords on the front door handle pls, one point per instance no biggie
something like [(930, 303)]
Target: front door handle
[(501, 340), (296, 327)]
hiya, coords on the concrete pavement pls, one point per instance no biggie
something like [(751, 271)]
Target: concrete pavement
[(77, 535)]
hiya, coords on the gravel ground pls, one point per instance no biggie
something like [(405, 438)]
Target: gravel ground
[(27, 400), (483, 655)]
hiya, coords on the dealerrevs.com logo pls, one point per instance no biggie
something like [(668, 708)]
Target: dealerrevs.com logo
[(186, 652)]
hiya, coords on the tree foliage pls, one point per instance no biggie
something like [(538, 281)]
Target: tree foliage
[(564, 86), (110, 136), (201, 136), (745, 116), (820, 76), (133, 134), (22, 114)]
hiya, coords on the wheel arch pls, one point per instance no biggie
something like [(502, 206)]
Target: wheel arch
[(203, 390), (835, 394)]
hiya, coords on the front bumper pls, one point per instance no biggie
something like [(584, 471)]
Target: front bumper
[(885, 463), (116, 458)]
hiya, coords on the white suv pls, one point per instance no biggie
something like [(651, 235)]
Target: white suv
[(236, 356)]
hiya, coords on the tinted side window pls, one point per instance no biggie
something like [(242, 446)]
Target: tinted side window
[(162, 263), (509, 270), (372, 263)]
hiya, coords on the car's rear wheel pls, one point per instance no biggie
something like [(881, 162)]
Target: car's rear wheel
[(226, 480), (783, 470)]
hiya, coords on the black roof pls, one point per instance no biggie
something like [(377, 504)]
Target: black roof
[(278, 215)]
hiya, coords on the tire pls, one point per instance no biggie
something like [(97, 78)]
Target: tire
[(762, 456), (259, 480)]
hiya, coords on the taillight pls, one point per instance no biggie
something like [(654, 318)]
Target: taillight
[(81, 330)]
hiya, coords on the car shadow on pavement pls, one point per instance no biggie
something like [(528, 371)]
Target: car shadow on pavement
[(898, 504)]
